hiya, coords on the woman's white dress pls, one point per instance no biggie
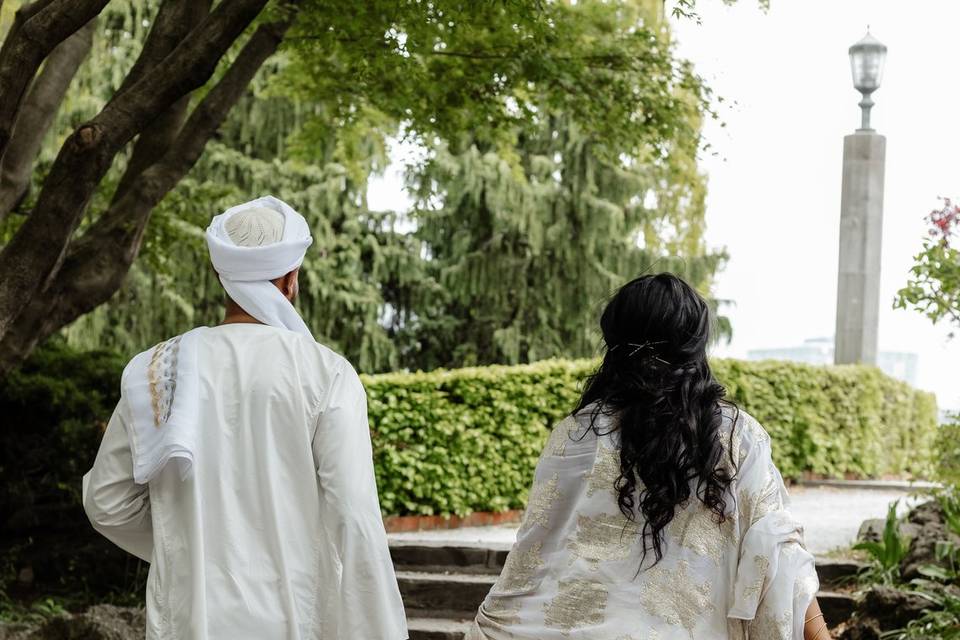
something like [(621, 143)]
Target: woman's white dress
[(574, 571)]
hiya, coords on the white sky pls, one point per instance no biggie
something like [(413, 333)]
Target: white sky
[(774, 190)]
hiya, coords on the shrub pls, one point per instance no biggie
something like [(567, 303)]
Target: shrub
[(947, 446), (468, 439), (444, 441)]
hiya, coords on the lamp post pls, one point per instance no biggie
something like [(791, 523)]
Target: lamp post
[(861, 217), (866, 64)]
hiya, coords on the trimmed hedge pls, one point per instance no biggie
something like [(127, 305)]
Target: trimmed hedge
[(445, 442), (468, 439)]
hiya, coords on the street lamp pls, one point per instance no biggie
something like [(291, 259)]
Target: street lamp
[(866, 64), (861, 218)]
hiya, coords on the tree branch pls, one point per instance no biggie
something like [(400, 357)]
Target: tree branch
[(34, 255), (171, 25), (37, 29), (97, 264), (37, 113)]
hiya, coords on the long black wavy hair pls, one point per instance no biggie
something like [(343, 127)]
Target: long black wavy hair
[(656, 384)]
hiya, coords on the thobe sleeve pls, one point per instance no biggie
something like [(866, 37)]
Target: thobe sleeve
[(118, 507), (361, 598), (776, 579)]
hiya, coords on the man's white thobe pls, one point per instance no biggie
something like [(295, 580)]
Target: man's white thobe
[(276, 532)]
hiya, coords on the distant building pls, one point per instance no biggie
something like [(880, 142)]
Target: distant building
[(896, 364)]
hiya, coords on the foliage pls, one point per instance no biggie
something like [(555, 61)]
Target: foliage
[(464, 440), (934, 284), (445, 442), (942, 618), (885, 554), (947, 463), (59, 401), (525, 220)]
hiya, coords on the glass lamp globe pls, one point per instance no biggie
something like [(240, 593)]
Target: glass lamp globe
[(866, 63)]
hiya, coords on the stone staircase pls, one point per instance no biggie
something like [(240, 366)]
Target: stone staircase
[(442, 586)]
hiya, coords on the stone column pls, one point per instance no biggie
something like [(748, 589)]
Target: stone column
[(861, 222)]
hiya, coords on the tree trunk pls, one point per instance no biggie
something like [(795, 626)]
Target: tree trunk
[(172, 24), (37, 28), (30, 262), (37, 113), (98, 262)]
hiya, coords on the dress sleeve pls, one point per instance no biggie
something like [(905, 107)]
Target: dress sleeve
[(562, 475), (776, 579), (359, 593), (118, 507)]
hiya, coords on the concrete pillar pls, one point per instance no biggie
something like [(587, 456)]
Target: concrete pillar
[(861, 226)]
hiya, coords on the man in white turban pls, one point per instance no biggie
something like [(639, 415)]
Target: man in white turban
[(238, 463)]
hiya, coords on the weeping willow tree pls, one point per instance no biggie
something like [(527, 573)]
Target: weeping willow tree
[(263, 147), (532, 234), (578, 173)]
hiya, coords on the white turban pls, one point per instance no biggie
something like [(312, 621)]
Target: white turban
[(250, 245)]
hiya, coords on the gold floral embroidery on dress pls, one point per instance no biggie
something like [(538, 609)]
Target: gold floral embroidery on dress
[(578, 603), (695, 527), (162, 378), (754, 589), (542, 497), (605, 472), (520, 569), (770, 627), (604, 537), (754, 505), (674, 597), (559, 436), (805, 586), (502, 611)]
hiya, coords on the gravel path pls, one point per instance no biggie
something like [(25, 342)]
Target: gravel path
[(831, 518)]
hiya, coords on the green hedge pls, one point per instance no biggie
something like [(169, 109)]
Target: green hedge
[(445, 442), (468, 439)]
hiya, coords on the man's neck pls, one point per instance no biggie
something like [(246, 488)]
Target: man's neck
[(234, 314)]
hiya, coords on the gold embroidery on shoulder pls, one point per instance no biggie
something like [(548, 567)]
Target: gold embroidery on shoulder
[(695, 527), (542, 497), (606, 470), (559, 436), (604, 537), (162, 377), (674, 597), (519, 569), (578, 603)]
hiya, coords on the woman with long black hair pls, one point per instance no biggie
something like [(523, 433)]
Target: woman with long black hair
[(656, 512)]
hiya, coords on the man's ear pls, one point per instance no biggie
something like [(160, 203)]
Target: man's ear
[(288, 285)]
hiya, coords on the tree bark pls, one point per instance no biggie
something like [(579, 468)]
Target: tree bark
[(37, 28), (98, 262), (37, 113), (35, 254), (172, 24)]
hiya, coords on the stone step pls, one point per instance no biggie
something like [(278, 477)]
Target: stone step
[(437, 628), (443, 595), (413, 557), (836, 607), (833, 573), (434, 595)]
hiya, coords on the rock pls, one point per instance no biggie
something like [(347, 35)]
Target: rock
[(871, 530), (892, 608), (861, 630), (929, 512), (102, 622)]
